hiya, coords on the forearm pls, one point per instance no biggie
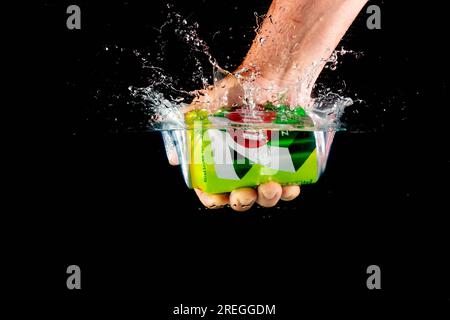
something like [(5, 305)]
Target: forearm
[(298, 36)]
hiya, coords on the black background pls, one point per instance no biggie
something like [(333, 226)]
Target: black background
[(83, 189)]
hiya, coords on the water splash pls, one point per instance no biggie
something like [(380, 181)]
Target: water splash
[(164, 100), (333, 60)]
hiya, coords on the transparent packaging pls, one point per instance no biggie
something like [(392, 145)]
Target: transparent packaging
[(238, 148)]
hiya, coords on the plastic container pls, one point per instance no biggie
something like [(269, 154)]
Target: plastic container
[(238, 147)]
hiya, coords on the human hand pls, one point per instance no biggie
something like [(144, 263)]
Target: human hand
[(230, 91)]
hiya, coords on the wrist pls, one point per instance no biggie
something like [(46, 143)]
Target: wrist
[(266, 85)]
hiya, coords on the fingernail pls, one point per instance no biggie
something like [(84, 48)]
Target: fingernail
[(269, 194), (245, 203), (288, 195), (209, 203)]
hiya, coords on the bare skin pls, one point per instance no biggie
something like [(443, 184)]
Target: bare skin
[(289, 52)]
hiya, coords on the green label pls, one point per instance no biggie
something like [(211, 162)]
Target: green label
[(223, 160)]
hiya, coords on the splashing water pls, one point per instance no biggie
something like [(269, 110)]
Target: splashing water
[(333, 60), (164, 100)]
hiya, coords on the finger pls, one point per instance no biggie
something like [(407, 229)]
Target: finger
[(173, 157), (242, 199), (268, 194), (212, 201), (290, 193), (187, 108)]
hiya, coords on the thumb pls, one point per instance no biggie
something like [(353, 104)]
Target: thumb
[(171, 151)]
